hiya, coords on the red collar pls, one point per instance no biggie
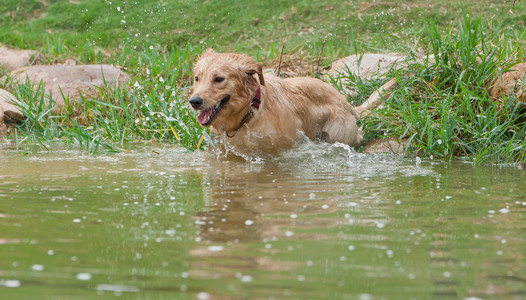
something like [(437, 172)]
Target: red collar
[(256, 101)]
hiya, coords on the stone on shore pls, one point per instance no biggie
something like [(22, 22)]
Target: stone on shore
[(510, 83), (12, 59), (384, 145), (365, 66), (9, 112), (71, 81)]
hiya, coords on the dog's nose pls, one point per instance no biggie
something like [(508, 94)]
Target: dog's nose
[(196, 102)]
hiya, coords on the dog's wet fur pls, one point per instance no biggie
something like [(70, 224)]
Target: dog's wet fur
[(225, 85)]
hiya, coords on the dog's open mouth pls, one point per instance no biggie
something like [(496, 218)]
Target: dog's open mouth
[(205, 117)]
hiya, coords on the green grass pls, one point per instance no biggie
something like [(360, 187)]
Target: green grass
[(153, 110), (442, 108)]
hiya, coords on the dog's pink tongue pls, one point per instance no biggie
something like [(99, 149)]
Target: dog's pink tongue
[(204, 116)]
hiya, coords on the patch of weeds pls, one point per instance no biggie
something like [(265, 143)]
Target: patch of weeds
[(444, 108)]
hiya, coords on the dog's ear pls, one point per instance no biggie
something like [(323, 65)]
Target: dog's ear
[(208, 52), (255, 68)]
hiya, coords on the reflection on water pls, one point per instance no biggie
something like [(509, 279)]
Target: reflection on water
[(320, 222)]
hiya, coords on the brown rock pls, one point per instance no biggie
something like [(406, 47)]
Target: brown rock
[(12, 59), (391, 145), (71, 80), (9, 112), (366, 66), (510, 83), (369, 64)]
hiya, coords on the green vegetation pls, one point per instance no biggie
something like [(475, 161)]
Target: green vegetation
[(441, 107)]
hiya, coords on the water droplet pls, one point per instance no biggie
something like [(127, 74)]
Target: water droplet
[(84, 276), (215, 248), (365, 297), (116, 288), (301, 278), (37, 267), (11, 283)]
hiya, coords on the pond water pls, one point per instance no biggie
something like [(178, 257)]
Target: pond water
[(321, 222)]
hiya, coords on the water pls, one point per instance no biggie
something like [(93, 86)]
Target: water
[(321, 222)]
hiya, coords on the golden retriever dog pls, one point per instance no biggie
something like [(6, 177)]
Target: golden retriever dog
[(255, 113)]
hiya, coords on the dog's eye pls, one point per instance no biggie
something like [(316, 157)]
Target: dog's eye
[(219, 79), (196, 79)]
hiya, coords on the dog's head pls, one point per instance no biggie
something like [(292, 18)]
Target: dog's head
[(223, 86)]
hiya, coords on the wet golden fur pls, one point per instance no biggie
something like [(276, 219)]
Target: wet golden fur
[(290, 108)]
